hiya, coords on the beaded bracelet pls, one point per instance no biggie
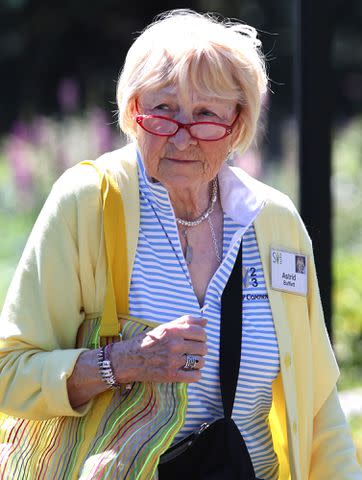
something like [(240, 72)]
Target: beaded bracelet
[(105, 366)]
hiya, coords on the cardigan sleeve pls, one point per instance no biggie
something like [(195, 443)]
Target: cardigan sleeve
[(44, 308), (333, 451)]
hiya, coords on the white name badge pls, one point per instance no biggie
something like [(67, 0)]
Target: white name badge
[(289, 271)]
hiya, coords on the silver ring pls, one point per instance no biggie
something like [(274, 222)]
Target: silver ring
[(191, 362)]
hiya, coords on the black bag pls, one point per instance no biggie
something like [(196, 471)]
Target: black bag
[(217, 451)]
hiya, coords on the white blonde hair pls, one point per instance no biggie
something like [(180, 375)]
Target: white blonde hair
[(199, 52)]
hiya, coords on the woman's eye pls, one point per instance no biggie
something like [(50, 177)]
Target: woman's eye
[(162, 106), (207, 113)]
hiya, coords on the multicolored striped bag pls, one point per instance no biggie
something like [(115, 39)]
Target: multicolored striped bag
[(125, 431)]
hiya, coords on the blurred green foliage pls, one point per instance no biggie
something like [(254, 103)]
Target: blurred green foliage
[(347, 188), (347, 301), (347, 261)]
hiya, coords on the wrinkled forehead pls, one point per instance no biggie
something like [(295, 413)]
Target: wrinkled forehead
[(191, 96)]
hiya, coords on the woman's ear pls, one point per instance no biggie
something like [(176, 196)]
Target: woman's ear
[(133, 110)]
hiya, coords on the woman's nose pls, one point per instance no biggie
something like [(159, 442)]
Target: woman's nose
[(182, 139)]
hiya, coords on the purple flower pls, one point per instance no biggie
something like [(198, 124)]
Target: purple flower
[(68, 95), (100, 131), (17, 155)]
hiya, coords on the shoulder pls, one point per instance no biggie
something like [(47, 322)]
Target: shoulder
[(274, 202), (272, 197), (80, 185), (279, 217)]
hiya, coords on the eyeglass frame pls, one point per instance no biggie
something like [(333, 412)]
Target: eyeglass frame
[(228, 128)]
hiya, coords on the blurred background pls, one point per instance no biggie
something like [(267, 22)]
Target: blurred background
[(59, 63)]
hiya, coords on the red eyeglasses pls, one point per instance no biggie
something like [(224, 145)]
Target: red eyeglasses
[(167, 127)]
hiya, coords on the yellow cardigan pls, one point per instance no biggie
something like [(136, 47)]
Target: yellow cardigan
[(62, 275)]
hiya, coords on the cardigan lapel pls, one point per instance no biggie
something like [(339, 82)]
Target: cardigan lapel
[(270, 234)]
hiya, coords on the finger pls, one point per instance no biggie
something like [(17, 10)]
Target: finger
[(188, 376), (189, 319), (194, 348), (194, 332)]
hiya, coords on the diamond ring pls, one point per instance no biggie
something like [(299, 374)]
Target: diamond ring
[(191, 362)]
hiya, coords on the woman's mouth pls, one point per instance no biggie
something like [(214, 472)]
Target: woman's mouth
[(180, 160)]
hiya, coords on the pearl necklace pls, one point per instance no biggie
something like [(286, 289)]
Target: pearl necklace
[(206, 214), (197, 221)]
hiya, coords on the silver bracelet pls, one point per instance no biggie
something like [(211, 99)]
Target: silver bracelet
[(105, 367)]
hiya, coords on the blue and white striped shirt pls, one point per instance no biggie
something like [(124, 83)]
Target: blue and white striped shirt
[(161, 290)]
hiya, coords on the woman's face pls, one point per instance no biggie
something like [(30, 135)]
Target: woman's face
[(181, 161)]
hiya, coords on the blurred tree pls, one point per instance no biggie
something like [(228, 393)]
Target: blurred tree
[(43, 42)]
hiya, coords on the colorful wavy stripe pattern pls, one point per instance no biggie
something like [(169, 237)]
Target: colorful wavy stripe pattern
[(121, 437)]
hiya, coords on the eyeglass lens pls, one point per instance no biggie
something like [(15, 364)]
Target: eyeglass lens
[(162, 126)]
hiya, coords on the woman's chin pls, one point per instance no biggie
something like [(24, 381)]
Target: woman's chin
[(181, 174)]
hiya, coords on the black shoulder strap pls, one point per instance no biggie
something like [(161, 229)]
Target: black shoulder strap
[(231, 333)]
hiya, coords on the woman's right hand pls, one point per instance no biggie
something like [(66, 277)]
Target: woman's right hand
[(160, 354), (156, 356)]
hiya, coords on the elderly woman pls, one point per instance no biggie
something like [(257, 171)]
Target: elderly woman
[(140, 246)]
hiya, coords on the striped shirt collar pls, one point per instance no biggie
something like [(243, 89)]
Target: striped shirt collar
[(242, 197)]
